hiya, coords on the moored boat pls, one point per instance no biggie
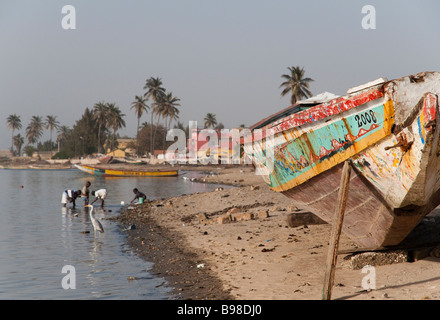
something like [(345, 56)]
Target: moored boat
[(388, 130), (106, 172)]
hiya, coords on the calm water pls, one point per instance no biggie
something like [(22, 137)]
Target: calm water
[(38, 237)]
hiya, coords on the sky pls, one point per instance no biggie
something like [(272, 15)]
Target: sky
[(217, 56)]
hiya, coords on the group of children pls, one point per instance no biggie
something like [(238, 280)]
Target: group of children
[(69, 196)]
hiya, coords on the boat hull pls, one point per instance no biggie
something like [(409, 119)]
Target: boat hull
[(368, 220), (390, 134), (127, 173)]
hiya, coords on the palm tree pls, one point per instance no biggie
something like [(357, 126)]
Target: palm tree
[(63, 133), (100, 111), (159, 111), (210, 120), (14, 123), (115, 120), (155, 92), (169, 108), (296, 84), (34, 131), (140, 106), (18, 142), (170, 104), (51, 124), (154, 89)]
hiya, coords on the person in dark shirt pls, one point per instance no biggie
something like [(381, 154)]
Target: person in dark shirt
[(139, 195)]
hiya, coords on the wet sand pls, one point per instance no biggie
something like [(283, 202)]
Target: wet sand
[(260, 258)]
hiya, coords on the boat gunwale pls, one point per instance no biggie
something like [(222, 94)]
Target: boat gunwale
[(340, 104)]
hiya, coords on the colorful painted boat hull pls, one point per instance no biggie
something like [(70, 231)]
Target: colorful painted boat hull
[(389, 132), (127, 173)]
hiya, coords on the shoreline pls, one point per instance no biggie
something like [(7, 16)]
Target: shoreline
[(238, 244), (203, 255), (173, 261), (172, 257)]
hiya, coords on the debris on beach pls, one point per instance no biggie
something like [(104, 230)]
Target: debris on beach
[(131, 227), (359, 260)]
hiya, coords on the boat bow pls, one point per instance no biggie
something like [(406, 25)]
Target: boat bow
[(390, 133)]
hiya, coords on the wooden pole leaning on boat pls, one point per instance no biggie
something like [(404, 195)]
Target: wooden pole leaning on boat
[(336, 231)]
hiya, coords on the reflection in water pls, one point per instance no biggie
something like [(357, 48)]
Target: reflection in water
[(38, 237)]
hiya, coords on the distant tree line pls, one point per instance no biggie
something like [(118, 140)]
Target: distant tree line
[(97, 129)]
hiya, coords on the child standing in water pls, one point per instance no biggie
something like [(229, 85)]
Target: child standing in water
[(85, 193)]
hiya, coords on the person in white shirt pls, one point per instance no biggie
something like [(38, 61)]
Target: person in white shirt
[(70, 196), (99, 194)]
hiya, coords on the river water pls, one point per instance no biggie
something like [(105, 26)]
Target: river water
[(50, 252)]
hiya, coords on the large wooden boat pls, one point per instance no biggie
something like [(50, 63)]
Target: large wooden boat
[(105, 172), (388, 130)]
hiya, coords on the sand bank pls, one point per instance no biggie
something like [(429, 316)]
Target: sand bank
[(204, 256)]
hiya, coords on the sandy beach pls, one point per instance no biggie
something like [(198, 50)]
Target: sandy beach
[(204, 255)]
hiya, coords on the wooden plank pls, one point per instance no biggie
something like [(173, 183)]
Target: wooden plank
[(336, 231)]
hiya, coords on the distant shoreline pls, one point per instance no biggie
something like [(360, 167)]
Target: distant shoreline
[(68, 164)]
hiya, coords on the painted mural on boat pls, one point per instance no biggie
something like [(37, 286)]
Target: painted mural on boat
[(390, 133)]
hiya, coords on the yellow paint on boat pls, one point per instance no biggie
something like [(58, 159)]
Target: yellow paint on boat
[(344, 154), (129, 173)]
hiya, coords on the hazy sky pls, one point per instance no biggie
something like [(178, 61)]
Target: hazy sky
[(220, 56)]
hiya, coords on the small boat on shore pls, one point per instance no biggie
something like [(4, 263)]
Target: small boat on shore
[(388, 130), (105, 172)]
